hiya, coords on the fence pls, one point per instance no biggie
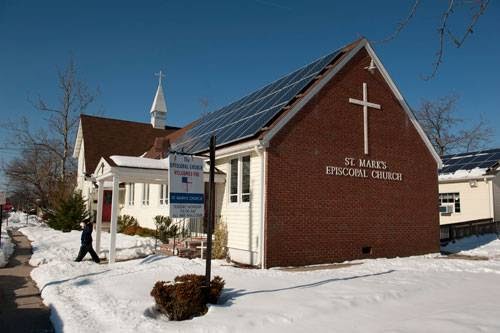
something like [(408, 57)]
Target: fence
[(193, 227), (463, 229)]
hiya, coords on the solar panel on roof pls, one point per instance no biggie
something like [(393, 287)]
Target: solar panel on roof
[(245, 117), (468, 161)]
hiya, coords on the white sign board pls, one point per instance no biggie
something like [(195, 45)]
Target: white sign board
[(186, 190), (2, 198)]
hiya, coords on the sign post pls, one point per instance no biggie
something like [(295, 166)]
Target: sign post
[(2, 202), (186, 195)]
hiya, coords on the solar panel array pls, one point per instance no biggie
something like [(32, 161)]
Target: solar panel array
[(247, 116), (469, 161)]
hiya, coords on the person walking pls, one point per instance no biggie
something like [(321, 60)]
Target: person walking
[(87, 242)]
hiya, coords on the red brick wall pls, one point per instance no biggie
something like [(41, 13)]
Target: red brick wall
[(316, 218)]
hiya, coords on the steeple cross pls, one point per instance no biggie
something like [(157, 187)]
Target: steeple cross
[(160, 76), (365, 104)]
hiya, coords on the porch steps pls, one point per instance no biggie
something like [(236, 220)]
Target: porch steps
[(187, 248)]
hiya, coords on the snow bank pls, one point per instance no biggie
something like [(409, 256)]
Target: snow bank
[(20, 219), (484, 245), (417, 294), (51, 245), (6, 248)]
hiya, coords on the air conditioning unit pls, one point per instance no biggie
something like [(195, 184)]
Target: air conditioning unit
[(446, 209)]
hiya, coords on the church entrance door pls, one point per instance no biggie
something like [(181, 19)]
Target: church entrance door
[(106, 205)]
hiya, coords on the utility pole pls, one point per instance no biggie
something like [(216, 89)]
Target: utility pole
[(2, 202), (211, 212), (1, 220)]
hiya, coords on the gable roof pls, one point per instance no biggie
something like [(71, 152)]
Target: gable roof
[(470, 164), (268, 109), (104, 137)]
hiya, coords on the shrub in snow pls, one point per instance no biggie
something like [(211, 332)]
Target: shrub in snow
[(125, 221), (68, 214), (133, 230), (219, 250), (167, 230), (186, 297), (163, 224)]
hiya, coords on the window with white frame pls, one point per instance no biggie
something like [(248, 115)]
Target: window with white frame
[(131, 194), (163, 194), (239, 183), (145, 194), (449, 203)]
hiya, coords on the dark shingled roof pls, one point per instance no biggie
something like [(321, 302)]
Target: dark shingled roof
[(104, 137)]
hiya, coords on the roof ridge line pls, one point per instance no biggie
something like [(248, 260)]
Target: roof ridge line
[(281, 77)]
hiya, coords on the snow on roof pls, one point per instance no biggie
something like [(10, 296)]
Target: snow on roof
[(463, 174), (140, 162)]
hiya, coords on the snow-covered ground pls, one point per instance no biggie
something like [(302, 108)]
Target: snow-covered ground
[(6, 246), (20, 219), (13, 220), (417, 294), (56, 247), (484, 246)]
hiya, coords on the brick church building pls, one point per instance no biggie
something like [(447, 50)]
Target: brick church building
[(326, 164)]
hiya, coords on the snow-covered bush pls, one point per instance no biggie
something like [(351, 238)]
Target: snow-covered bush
[(68, 213), (186, 297)]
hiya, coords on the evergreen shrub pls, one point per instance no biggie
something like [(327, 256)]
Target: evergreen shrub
[(186, 297), (126, 221), (219, 250), (68, 213)]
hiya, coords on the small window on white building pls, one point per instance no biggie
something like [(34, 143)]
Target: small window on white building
[(233, 183), (245, 179), (131, 194), (145, 194), (449, 203), (239, 183), (163, 194)]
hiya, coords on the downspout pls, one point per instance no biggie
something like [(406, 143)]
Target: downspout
[(263, 155), (492, 206)]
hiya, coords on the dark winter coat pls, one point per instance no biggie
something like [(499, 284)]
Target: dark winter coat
[(87, 234)]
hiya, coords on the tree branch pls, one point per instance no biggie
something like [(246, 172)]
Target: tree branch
[(401, 25)]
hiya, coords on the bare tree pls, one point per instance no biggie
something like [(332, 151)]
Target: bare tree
[(74, 99), (475, 8), (31, 174), (444, 128), (45, 164), (204, 103)]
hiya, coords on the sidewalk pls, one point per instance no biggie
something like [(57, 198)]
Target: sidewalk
[(21, 307)]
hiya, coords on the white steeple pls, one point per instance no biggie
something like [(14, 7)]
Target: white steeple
[(159, 107)]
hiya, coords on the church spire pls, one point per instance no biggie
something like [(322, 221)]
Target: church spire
[(159, 107)]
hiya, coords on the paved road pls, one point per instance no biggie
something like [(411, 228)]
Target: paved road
[(21, 307)]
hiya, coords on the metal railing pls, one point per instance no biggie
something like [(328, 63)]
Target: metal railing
[(449, 232)]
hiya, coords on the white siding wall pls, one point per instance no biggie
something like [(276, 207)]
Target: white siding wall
[(80, 180), (243, 219), (474, 201), (496, 196), (144, 213), (85, 186)]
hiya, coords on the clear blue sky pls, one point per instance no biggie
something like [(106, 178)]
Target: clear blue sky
[(222, 50)]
